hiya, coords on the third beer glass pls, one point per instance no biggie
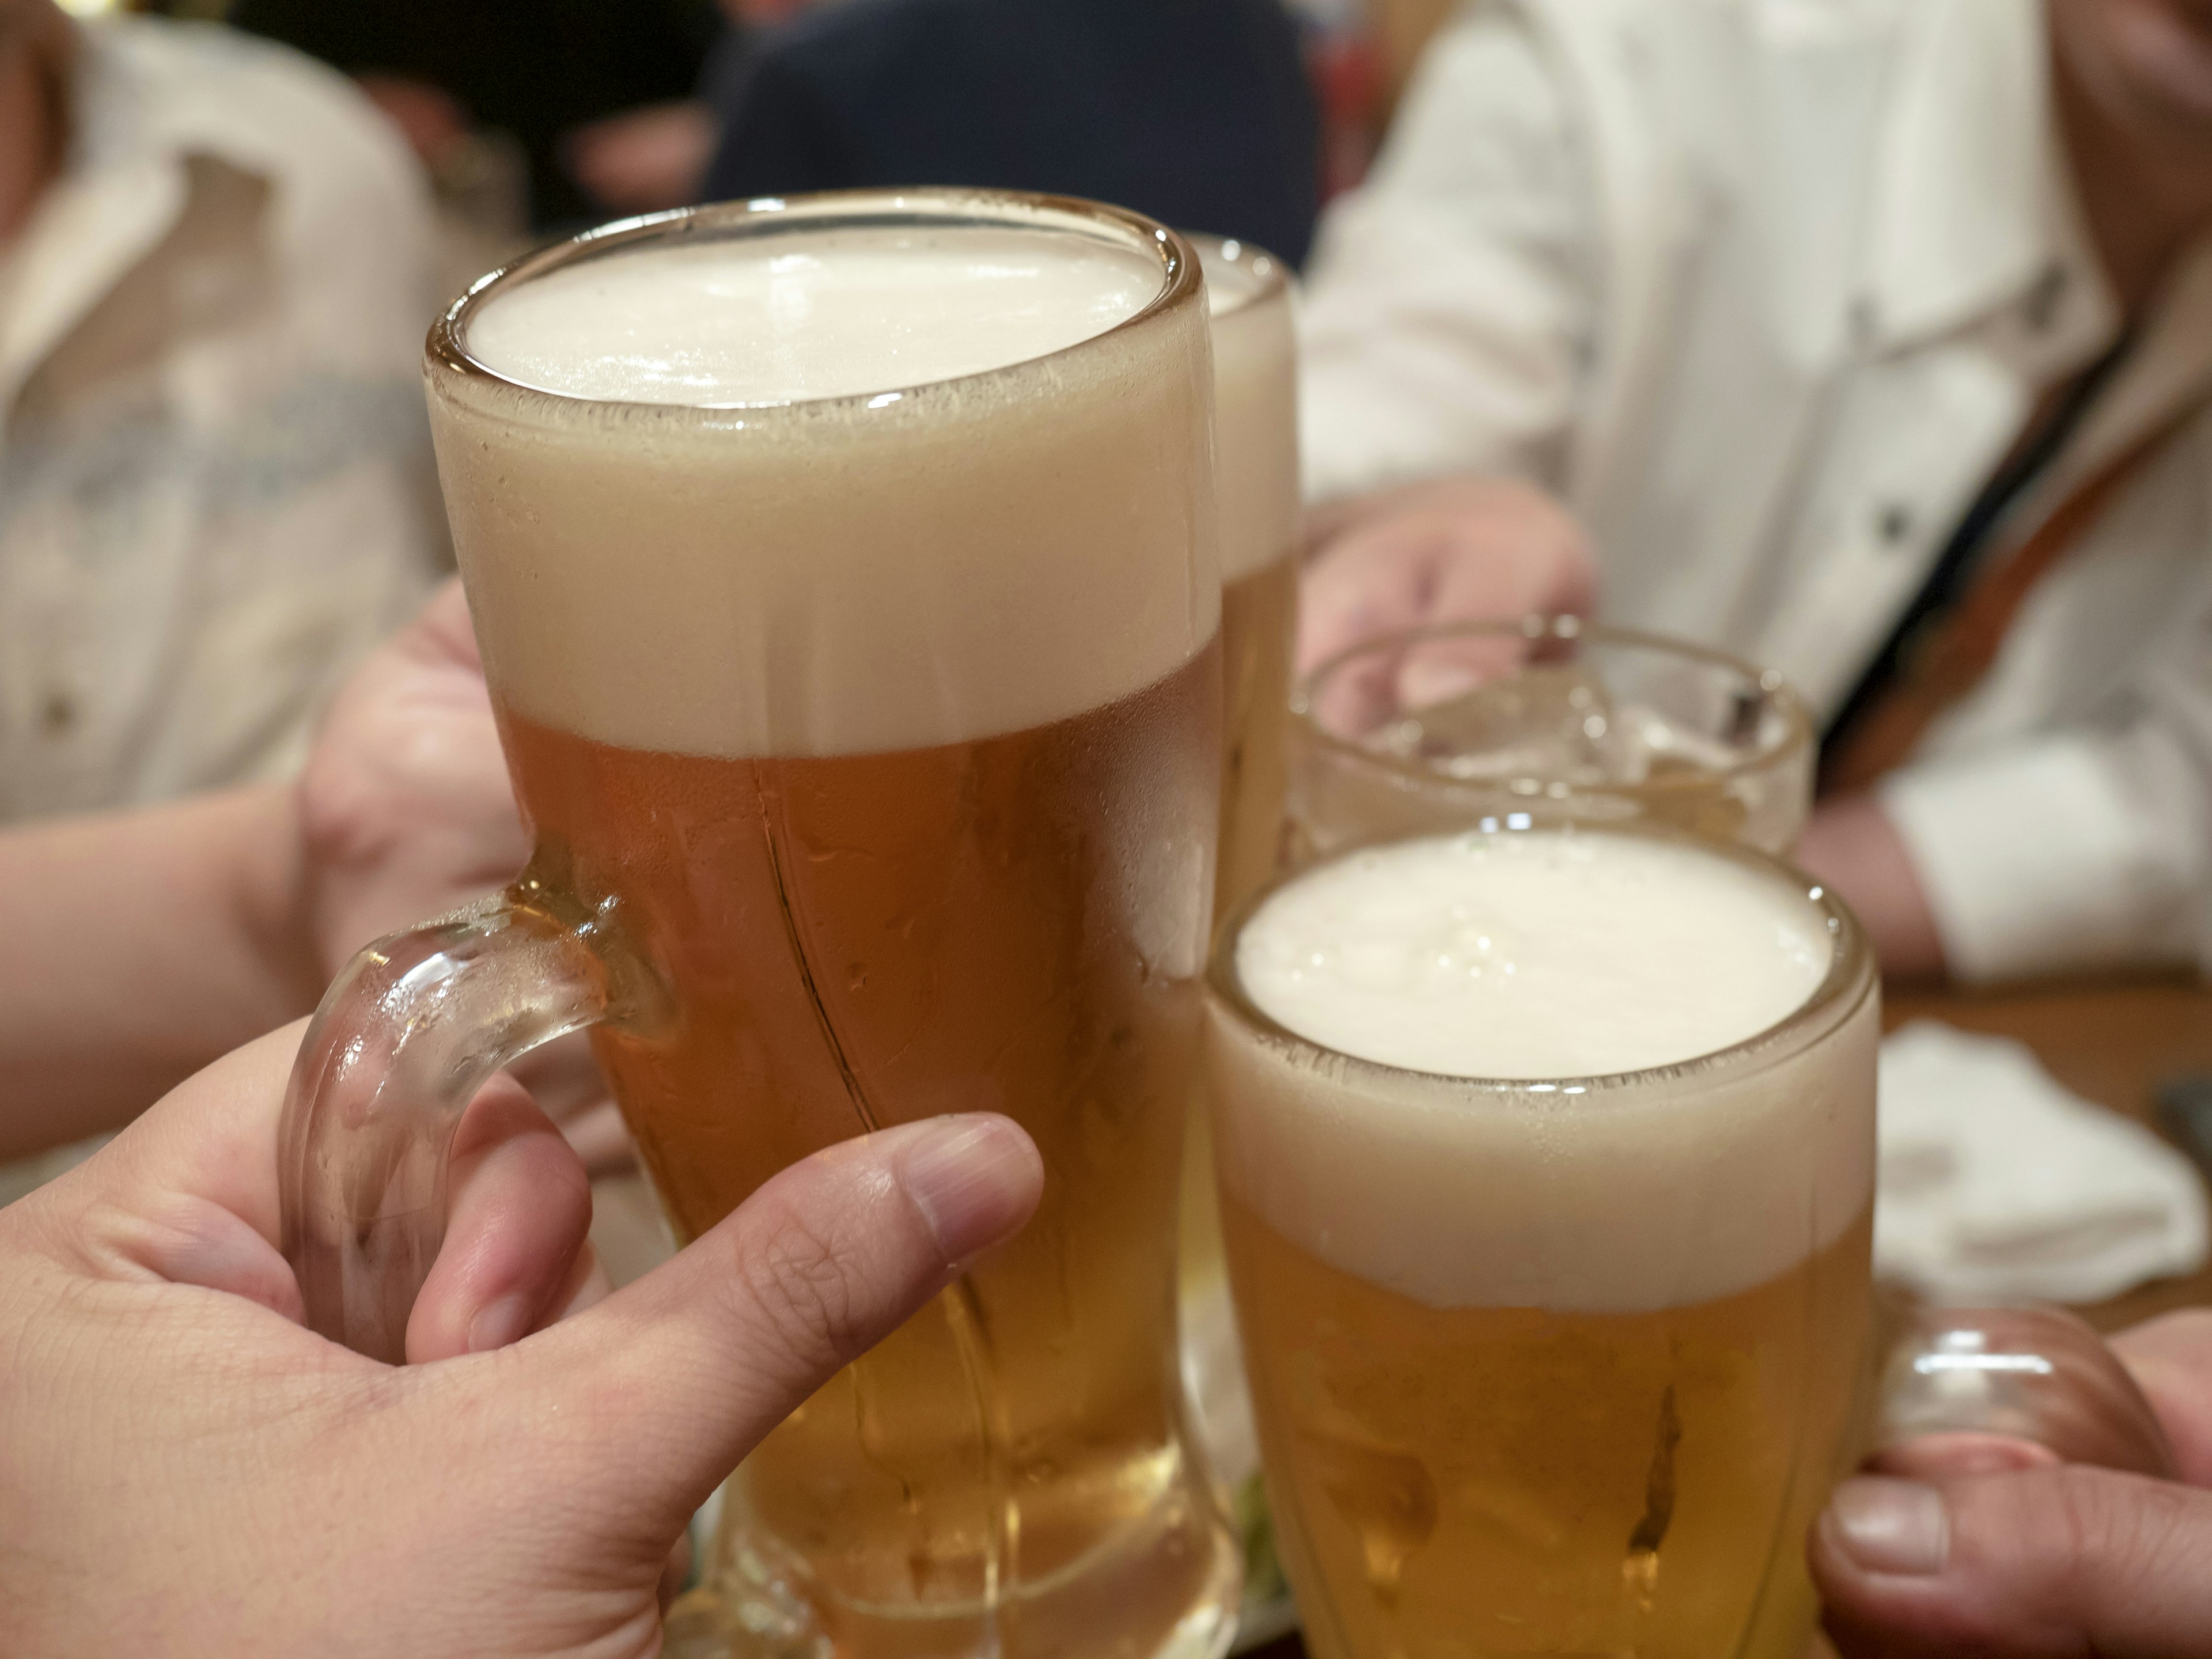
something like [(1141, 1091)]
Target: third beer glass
[(1547, 1163), (1256, 477), (1256, 472), (844, 570)]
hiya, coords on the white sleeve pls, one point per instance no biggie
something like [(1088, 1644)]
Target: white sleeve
[(2073, 851), (1450, 302)]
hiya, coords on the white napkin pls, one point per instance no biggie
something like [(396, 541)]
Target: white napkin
[(1995, 1182)]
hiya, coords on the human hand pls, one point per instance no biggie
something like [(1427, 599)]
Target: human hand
[(1452, 549), (183, 1468), (405, 812), (1853, 849), (1998, 1551), (404, 806)]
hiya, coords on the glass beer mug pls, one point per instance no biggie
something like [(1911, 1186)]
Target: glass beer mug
[(1547, 1162), (844, 571), (1553, 720)]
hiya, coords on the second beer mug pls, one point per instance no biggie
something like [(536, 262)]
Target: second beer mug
[(1546, 1164), (845, 576)]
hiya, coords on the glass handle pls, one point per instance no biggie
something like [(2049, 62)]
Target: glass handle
[(408, 1033), (1961, 1382)]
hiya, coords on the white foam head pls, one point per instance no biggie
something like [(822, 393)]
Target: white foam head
[(1640, 1157), (802, 481), (730, 325), (1256, 370), (1533, 956)]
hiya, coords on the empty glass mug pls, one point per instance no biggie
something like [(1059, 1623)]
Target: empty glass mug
[(844, 569), (1548, 721)]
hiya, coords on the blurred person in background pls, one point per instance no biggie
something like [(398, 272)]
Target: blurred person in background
[(216, 491), (1195, 112), (593, 91), (1872, 342)]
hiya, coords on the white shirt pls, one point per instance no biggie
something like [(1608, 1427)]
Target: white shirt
[(215, 484), (1765, 290)]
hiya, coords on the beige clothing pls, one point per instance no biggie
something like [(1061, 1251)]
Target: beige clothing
[(216, 486), (1765, 290)]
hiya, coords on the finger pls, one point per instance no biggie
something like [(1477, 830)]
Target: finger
[(601, 1140), (443, 631), (1371, 583), (563, 1076), (660, 1390), (188, 1194), (1439, 671), (519, 1211), (2170, 1358), (1933, 1456), (1502, 567), (2068, 1561), (213, 1139)]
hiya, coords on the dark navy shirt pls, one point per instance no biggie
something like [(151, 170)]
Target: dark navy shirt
[(1195, 112)]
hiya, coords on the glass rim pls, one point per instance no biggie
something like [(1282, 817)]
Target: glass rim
[(1773, 686), (1181, 278), (1851, 979), (1247, 256)]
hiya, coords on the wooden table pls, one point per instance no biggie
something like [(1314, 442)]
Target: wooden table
[(2112, 1041)]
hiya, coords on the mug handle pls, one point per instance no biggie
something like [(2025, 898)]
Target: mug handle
[(2018, 1384), (405, 1035)]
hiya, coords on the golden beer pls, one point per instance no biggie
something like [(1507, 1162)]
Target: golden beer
[(1564, 1360), (859, 678)]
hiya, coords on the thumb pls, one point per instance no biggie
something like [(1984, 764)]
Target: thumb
[(690, 1366), (2066, 1561)]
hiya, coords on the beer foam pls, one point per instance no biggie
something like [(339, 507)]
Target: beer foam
[(1255, 396), (1533, 956), (734, 323), (1628, 1164), (834, 490)]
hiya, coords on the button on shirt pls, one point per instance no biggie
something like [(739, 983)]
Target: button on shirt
[(216, 486), (1767, 290)]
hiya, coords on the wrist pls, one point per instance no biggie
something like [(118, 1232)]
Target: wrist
[(1852, 847), (271, 898)]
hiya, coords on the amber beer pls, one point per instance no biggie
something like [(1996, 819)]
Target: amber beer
[(1547, 1163), (852, 616)]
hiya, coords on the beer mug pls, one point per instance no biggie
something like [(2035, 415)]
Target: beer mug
[(1255, 456), (1548, 721), (844, 569), (1547, 1163)]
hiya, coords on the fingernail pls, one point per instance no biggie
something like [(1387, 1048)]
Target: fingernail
[(499, 1323), (1886, 1526), (975, 1179)]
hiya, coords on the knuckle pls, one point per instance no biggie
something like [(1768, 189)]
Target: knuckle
[(2067, 1543), (798, 1285)]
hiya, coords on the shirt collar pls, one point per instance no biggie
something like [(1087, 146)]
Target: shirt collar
[(136, 114), (1974, 206)]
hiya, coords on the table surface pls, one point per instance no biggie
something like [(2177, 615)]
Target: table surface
[(2112, 1041)]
